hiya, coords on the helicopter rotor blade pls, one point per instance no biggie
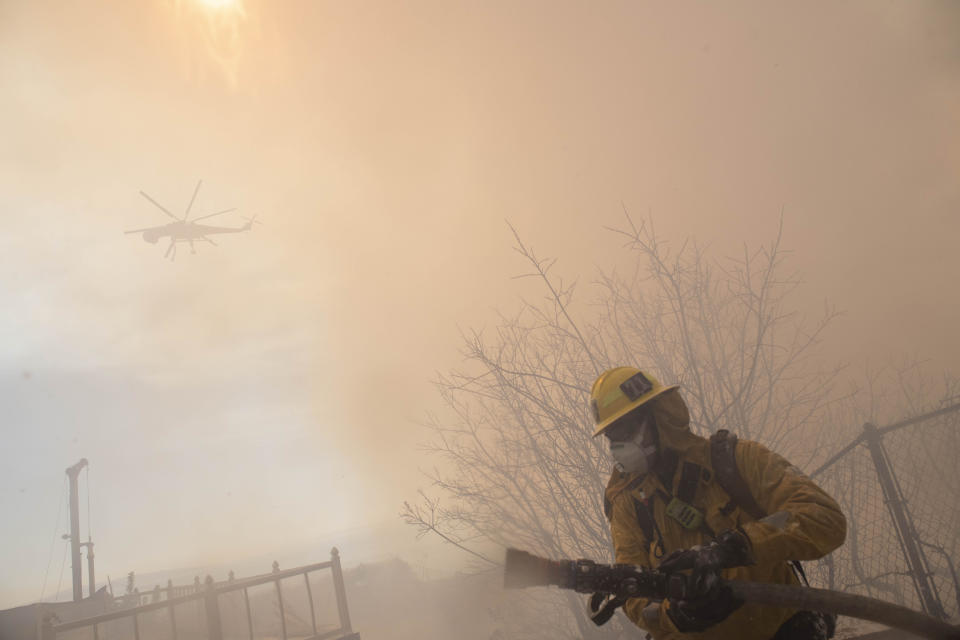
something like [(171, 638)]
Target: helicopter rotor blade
[(190, 206), (158, 205), (141, 230), (210, 215), (210, 241)]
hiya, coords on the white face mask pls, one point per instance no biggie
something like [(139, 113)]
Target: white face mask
[(631, 456)]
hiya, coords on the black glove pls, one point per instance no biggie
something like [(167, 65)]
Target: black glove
[(705, 611), (705, 600), (730, 549)]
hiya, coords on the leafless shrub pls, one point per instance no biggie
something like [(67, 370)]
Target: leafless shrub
[(517, 464), (727, 332)]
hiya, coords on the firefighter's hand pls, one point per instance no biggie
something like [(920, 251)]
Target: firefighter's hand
[(701, 613), (730, 549), (705, 600)]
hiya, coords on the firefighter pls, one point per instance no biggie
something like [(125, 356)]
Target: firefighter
[(716, 507)]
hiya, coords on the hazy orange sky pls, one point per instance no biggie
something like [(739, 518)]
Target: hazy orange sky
[(263, 394)]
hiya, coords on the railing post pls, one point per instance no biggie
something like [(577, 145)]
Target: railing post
[(283, 616), (340, 591), (313, 615), (172, 613), (173, 622), (246, 602), (212, 606), (903, 523), (198, 606)]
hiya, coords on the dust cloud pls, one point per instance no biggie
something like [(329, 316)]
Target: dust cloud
[(263, 396)]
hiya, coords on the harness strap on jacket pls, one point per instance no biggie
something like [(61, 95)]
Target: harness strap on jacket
[(723, 457), (649, 527), (689, 479), (644, 518)]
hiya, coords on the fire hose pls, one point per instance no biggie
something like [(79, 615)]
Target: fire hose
[(622, 581)]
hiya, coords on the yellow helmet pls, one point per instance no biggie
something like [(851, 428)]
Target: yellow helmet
[(619, 391)]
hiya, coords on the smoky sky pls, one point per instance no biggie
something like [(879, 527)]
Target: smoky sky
[(265, 393)]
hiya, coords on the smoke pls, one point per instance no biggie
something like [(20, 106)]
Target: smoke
[(383, 145)]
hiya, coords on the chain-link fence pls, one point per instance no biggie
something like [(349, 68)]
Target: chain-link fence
[(900, 488)]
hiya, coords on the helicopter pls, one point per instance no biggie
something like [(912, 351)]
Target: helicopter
[(186, 230)]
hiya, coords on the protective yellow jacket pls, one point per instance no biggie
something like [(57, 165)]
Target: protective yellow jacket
[(804, 522)]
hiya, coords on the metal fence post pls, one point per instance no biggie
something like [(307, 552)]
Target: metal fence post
[(313, 615), (212, 606), (283, 615), (173, 622), (246, 603), (903, 523), (340, 591)]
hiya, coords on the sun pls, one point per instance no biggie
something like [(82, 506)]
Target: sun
[(218, 4), (215, 34)]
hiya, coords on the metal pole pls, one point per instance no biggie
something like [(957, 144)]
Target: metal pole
[(903, 523), (340, 591), (283, 617), (173, 621), (92, 583), (246, 601), (72, 473), (313, 617), (214, 630)]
